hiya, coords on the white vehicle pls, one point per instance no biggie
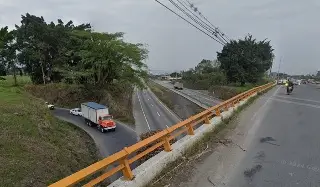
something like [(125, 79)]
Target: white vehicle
[(50, 106), (178, 85), (76, 112)]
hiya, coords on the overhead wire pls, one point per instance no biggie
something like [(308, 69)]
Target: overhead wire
[(216, 28), (203, 23), (193, 19), (188, 22)]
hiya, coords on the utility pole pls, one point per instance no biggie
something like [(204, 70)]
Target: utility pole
[(279, 69)]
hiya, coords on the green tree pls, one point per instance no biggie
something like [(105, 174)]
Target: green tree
[(8, 51), (246, 60), (175, 74), (106, 57)]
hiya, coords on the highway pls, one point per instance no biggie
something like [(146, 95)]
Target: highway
[(199, 97), (280, 136), (108, 142), (150, 113), (288, 139)]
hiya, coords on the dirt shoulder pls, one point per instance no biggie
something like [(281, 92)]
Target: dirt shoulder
[(211, 160)]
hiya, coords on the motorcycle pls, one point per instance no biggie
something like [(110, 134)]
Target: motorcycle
[(289, 89)]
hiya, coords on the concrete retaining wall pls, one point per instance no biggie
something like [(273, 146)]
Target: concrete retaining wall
[(152, 167)]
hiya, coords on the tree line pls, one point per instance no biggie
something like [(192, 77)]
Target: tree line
[(63, 51), (240, 61)]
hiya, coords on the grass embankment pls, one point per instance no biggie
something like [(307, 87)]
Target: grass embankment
[(181, 106), (36, 148), (117, 97), (201, 148), (162, 93)]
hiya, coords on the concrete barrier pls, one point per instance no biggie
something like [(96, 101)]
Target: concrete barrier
[(147, 171)]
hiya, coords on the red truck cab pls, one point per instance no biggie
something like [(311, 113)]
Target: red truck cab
[(106, 123)]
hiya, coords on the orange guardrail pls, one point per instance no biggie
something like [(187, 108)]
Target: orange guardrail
[(122, 158)]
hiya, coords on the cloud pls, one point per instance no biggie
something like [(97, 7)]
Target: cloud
[(291, 25)]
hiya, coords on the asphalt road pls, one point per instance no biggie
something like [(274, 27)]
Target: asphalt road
[(150, 113), (199, 96), (284, 149), (108, 142)]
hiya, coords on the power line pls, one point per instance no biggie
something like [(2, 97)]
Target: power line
[(188, 21), (192, 18), (203, 24), (197, 10)]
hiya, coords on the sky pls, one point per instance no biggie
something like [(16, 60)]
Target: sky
[(292, 26)]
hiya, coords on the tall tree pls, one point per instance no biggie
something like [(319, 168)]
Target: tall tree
[(8, 51), (246, 60)]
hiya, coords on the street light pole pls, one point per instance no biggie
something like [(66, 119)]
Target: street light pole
[(279, 69)]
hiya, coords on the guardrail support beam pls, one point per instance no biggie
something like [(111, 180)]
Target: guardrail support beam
[(206, 120), (166, 145), (127, 172), (218, 112), (190, 129)]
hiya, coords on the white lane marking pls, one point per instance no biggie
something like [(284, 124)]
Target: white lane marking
[(167, 126), (151, 104), (158, 113), (145, 117), (154, 96), (296, 98), (268, 100), (292, 102)]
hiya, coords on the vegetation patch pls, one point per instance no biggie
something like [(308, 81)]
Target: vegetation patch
[(162, 93), (36, 148), (181, 106)]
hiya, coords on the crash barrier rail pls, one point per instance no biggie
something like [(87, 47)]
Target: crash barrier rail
[(121, 160)]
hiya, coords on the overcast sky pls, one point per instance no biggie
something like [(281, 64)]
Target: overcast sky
[(291, 25)]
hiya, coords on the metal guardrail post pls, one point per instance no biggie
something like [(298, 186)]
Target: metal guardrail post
[(127, 172), (217, 110), (206, 120), (190, 127), (167, 145)]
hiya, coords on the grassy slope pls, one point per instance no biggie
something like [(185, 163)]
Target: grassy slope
[(36, 148)]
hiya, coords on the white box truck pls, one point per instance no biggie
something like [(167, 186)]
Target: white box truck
[(98, 115), (178, 85)]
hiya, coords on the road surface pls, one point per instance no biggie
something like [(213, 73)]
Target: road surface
[(280, 135), (204, 99), (285, 147), (107, 143), (150, 113)]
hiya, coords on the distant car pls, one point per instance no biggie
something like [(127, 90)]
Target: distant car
[(76, 112), (51, 106)]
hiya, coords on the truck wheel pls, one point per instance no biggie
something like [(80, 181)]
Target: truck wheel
[(113, 129), (89, 124), (101, 129)]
